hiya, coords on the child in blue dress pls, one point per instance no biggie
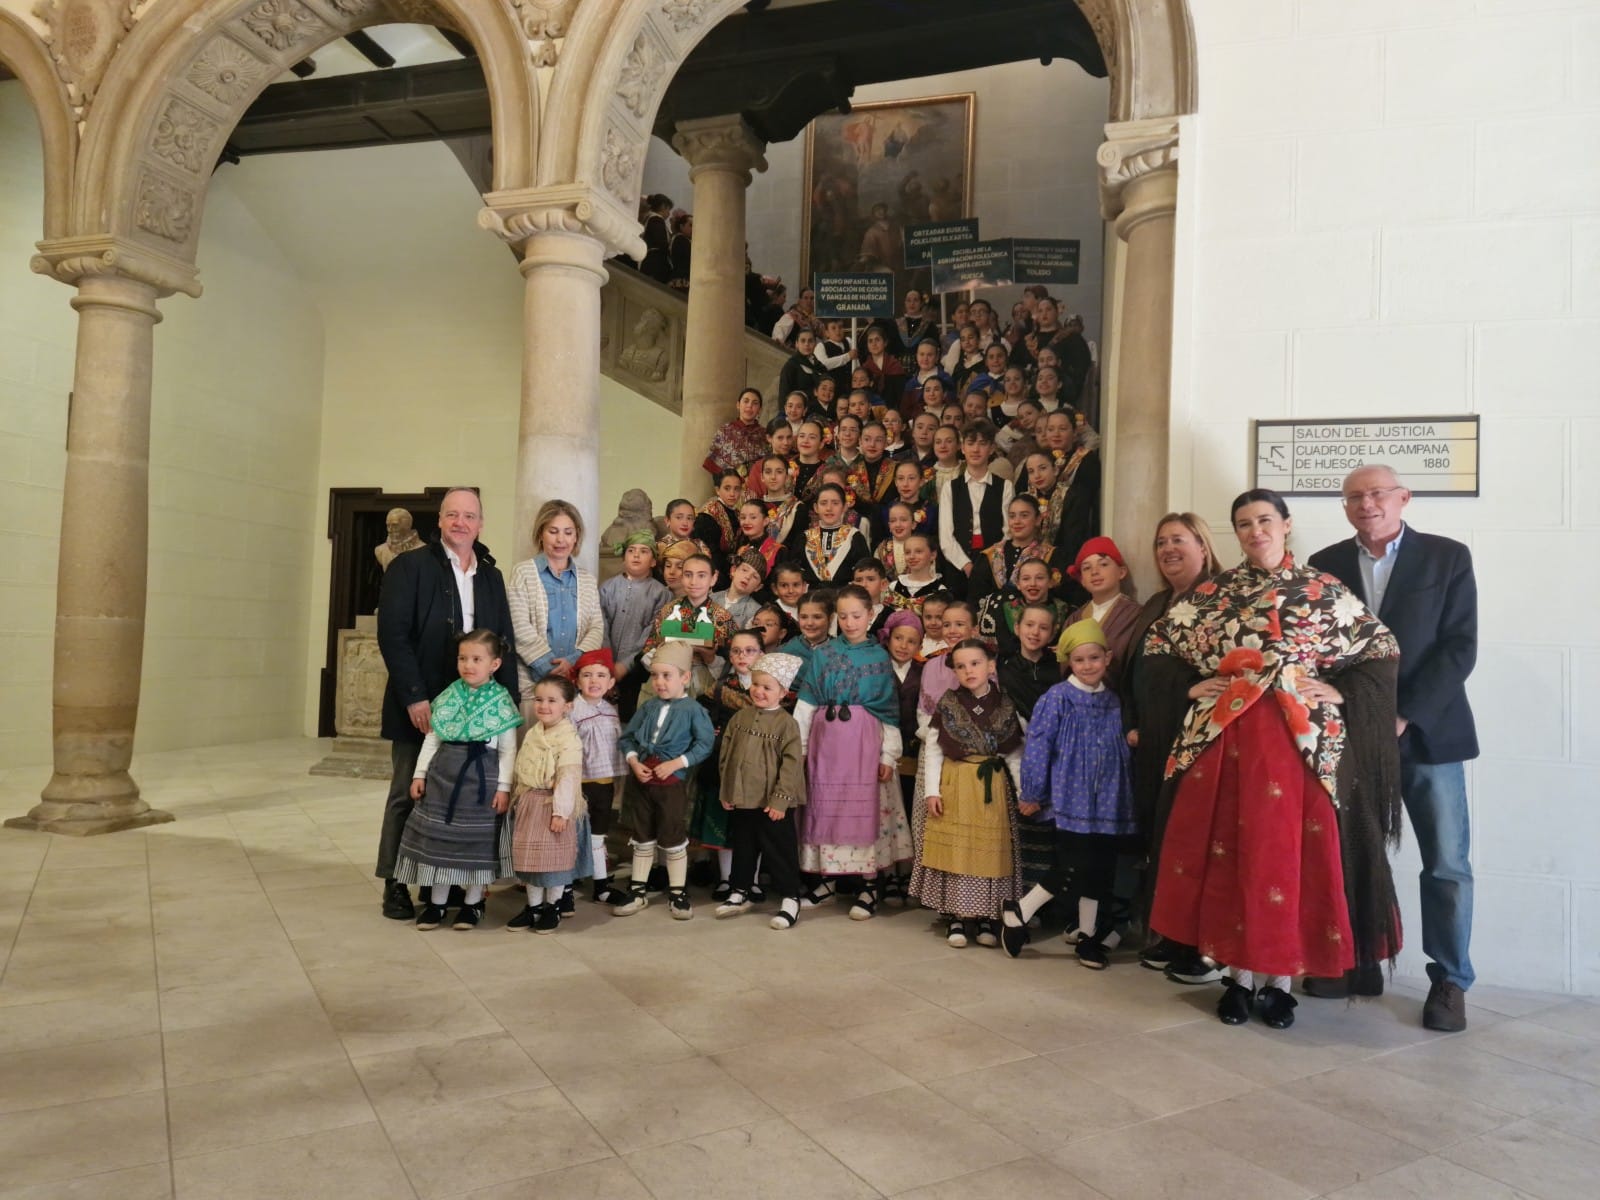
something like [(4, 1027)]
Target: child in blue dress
[(1075, 772)]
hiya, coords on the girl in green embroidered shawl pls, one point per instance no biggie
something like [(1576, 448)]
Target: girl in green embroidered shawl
[(455, 834)]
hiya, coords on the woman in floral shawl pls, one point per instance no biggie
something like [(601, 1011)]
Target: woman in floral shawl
[(739, 444), (1286, 772)]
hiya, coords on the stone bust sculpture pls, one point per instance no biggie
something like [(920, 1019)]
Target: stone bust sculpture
[(402, 537), (644, 355)]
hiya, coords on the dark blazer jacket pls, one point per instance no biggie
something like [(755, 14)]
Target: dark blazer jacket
[(1431, 606), (419, 616)]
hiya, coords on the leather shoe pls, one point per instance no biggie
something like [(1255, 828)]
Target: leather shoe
[(1276, 1007), (1445, 1010), (397, 905), (1237, 1000), (1365, 980)]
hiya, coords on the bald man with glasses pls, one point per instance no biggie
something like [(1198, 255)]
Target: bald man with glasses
[(1422, 587)]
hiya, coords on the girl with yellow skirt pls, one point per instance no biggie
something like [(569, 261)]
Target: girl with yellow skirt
[(967, 862)]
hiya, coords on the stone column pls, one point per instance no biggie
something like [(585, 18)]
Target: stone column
[(100, 580), (721, 152), (1140, 191), (563, 236)]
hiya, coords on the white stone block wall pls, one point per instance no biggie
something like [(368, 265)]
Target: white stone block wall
[(1393, 209)]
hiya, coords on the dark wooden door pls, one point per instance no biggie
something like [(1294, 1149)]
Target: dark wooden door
[(356, 525)]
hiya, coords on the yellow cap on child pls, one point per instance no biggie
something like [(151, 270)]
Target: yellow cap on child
[(1082, 633)]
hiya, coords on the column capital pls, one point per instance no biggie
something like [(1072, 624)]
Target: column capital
[(725, 143), (1131, 151), (572, 208), (73, 259)]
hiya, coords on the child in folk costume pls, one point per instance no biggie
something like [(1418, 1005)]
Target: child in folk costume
[(967, 865), (629, 603), (829, 550), (788, 584), (454, 834), (716, 524), (901, 636), (1025, 676), (932, 614), (599, 727), (1102, 571), (891, 552), (921, 578), (762, 767), (754, 537), (680, 528), (708, 826), (774, 626), (668, 735), (550, 844), (999, 612), (814, 618), (849, 717), (1075, 770), (747, 571)]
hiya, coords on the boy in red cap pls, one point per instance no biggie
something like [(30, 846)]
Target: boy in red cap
[(1103, 573), (599, 727)]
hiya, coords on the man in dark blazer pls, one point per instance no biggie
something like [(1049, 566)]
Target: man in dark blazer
[(1421, 586), (431, 596)]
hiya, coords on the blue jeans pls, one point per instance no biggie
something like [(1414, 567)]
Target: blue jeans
[(1436, 800)]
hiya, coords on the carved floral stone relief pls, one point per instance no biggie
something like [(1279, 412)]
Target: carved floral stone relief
[(642, 71), (619, 165), (164, 209), (185, 137), (684, 15), (226, 71), (283, 24)]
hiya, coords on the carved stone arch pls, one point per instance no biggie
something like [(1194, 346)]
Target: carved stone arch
[(615, 66), (183, 78), (28, 58), (620, 55)]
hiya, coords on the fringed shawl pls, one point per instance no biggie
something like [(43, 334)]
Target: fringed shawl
[(546, 752)]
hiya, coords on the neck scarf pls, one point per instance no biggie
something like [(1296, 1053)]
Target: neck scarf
[(467, 714)]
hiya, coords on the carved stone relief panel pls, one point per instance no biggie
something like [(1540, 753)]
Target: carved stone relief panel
[(185, 137), (226, 71), (362, 678), (283, 25), (165, 209), (642, 72), (82, 35)]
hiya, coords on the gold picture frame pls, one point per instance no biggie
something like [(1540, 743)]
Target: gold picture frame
[(913, 156)]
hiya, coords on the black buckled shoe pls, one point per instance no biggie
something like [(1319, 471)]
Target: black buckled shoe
[(567, 905), (1091, 953), (431, 916), (546, 919), (468, 916)]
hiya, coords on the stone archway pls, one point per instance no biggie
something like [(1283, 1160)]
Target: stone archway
[(620, 55), (29, 60), (136, 155)]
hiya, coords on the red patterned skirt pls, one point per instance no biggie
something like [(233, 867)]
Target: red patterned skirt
[(1250, 870)]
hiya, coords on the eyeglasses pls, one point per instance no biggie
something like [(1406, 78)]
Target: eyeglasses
[(1375, 495)]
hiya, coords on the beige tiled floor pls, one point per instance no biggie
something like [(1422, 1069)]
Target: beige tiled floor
[(214, 1008)]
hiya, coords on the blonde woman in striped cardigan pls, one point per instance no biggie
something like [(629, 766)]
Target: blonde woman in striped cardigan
[(555, 604)]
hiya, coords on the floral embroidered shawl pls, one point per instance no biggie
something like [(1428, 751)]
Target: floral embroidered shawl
[(1265, 631), (468, 714), (737, 445)]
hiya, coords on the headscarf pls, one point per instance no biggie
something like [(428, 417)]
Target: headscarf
[(1082, 633), (897, 619)]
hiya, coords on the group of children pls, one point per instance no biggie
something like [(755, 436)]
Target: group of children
[(830, 739)]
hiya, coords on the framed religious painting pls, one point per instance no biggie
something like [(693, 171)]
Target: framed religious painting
[(873, 171)]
